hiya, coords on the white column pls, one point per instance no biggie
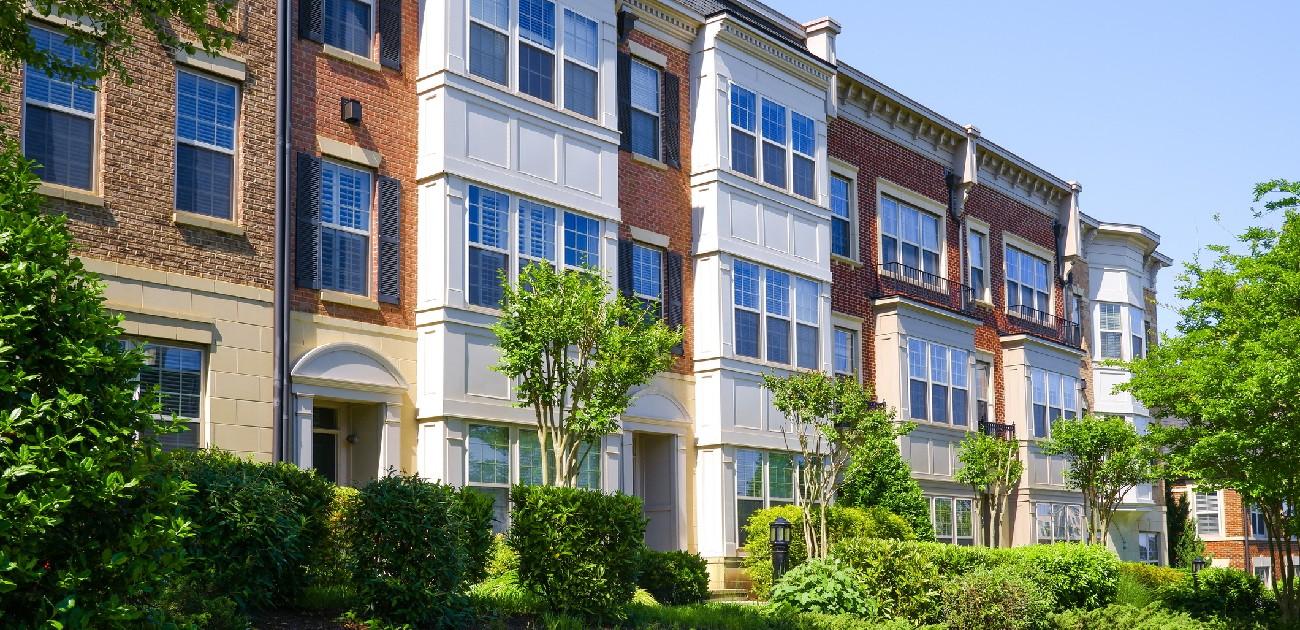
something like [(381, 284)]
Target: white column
[(304, 409), (680, 506), (628, 485), (390, 453)]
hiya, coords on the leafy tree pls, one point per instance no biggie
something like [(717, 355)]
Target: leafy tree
[(829, 419), (85, 535), (877, 476), (1231, 376), (1107, 459), (1185, 545), (991, 466), (576, 352)]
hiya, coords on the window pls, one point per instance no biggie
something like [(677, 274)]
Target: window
[(942, 517), (648, 277), (909, 241), (1136, 329), (1258, 527), (530, 461), (983, 383), (1027, 291), (59, 117), (743, 131), (347, 25), (1264, 573), (978, 249), (846, 352), (803, 133), (205, 145), (489, 40), (1112, 332), (763, 480), (645, 109), (938, 382), (952, 518), (581, 59), (1053, 396), (345, 228), (489, 468), (536, 49), (325, 442), (541, 230), (841, 216), (1058, 522), (1206, 507), (1149, 547), (176, 374), (778, 291), (774, 142)]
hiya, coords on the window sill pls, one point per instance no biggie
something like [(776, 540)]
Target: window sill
[(846, 260), (349, 299), (649, 161), (351, 57), (785, 191), (67, 193), (190, 219)]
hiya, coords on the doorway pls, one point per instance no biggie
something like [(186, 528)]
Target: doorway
[(654, 479)]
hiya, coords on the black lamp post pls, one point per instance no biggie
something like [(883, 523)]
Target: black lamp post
[(1197, 565), (780, 546)]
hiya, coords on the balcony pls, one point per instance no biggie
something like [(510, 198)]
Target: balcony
[(999, 430), (1023, 319), (893, 274)]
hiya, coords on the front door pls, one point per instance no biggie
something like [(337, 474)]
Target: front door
[(655, 480), (326, 426)]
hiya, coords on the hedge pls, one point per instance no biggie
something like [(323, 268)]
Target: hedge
[(674, 577), (999, 598)]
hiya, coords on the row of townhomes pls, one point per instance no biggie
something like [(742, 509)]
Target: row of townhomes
[(306, 233)]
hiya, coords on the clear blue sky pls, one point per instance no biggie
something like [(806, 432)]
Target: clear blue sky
[(1166, 112)]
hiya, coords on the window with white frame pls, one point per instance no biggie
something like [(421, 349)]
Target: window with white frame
[(803, 141), (544, 233), (348, 25), (1258, 527), (977, 245), (1137, 332), (783, 132), (1053, 396), (842, 233), (763, 479), (530, 461), (537, 49), (498, 456), (206, 110), (744, 131), (175, 375), (1028, 293), (983, 390), (1205, 509), (909, 241), (846, 352), (645, 109), (776, 291), (1264, 573), (648, 277), (765, 301), (345, 195), (581, 63), (1111, 331), (1058, 522), (938, 382), (953, 520), (806, 323), (60, 116), (775, 139), (489, 40), (1149, 547)]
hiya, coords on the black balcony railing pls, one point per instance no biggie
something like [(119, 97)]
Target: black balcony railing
[(998, 429), (1062, 330), (899, 271)]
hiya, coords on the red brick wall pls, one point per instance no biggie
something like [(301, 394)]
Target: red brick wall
[(136, 165), (388, 126), (658, 198)]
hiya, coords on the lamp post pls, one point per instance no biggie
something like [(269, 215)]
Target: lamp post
[(780, 546), (1197, 565)]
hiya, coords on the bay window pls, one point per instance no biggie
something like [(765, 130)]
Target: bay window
[(909, 241), (806, 319), (763, 479), (1028, 293), (744, 116), (1111, 331), (1137, 333), (1058, 522), (938, 382), (774, 143), (581, 60), (763, 313), (787, 137), (953, 520), (537, 49), (803, 134), (1053, 396), (497, 457), (489, 40)]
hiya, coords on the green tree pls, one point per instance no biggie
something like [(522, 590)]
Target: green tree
[(877, 476), (85, 534), (1185, 545), (576, 353), (991, 466), (829, 419), (1231, 376), (1107, 459)]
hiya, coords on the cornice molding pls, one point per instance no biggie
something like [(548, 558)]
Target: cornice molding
[(1013, 175), (766, 49), (937, 137), (664, 19)]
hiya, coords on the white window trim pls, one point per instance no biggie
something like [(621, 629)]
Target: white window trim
[(564, 56), (1009, 241), (974, 521), (1047, 394), (1254, 509), (370, 40), (887, 188), (854, 326), (96, 117), (369, 232), (1121, 316), (1159, 559), (202, 425), (513, 433), (848, 172), (1053, 538), (791, 318), (1196, 513), (236, 166), (981, 228), (658, 114), (765, 474), (990, 394), (662, 256), (929, 383), (760, 139)]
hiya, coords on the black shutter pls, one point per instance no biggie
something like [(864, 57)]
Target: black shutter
[(307, 230), (625, 267), (673, 296), (390, 34), (670, 109), (390, 240), (311, 20), (625, 101)]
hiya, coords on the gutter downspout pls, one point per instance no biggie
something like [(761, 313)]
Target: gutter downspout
[(280, 328)]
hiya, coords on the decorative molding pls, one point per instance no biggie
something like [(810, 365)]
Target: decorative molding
[(350, 152), (765, 47), (351, 57), (668, 21), (223, 65), (647, 54), (208, 223)]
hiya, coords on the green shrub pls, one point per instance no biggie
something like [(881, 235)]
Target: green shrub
[(823, 586), (674, 577), (956, 560), (643, 597), (1130, 590), (477, 508), (503, 594), (897, 574), (331, 559), (1076, 576), (878, 476), (1219, 592), (413, 556), (579, 550), (999, 598), (501, 558), (1131, 618), (1150, 575)]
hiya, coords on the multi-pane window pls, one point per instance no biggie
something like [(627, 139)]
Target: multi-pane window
[(175, 373), (59, 116), (1258, 528), (772, 304), (530, 461), (846, 352), (1149, 547), (841, 216), (1206, 508), (581, 59), (745, 292), (952, 518), (774, 143), (489, 40), (1053, 396), (909, 241), (1058, 522), (1111, 330), (489, 468), (1027, 289), (648, 277), (348, 25), (645, 109), (983, 382), (1137, 330), (763, 480), (1265, 574), (537, 49), (806, 321), (744, 126), (777, 289), (978, 248), (938, 382), (543, 232), (803, 139), (345, 228), (205, 144)]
